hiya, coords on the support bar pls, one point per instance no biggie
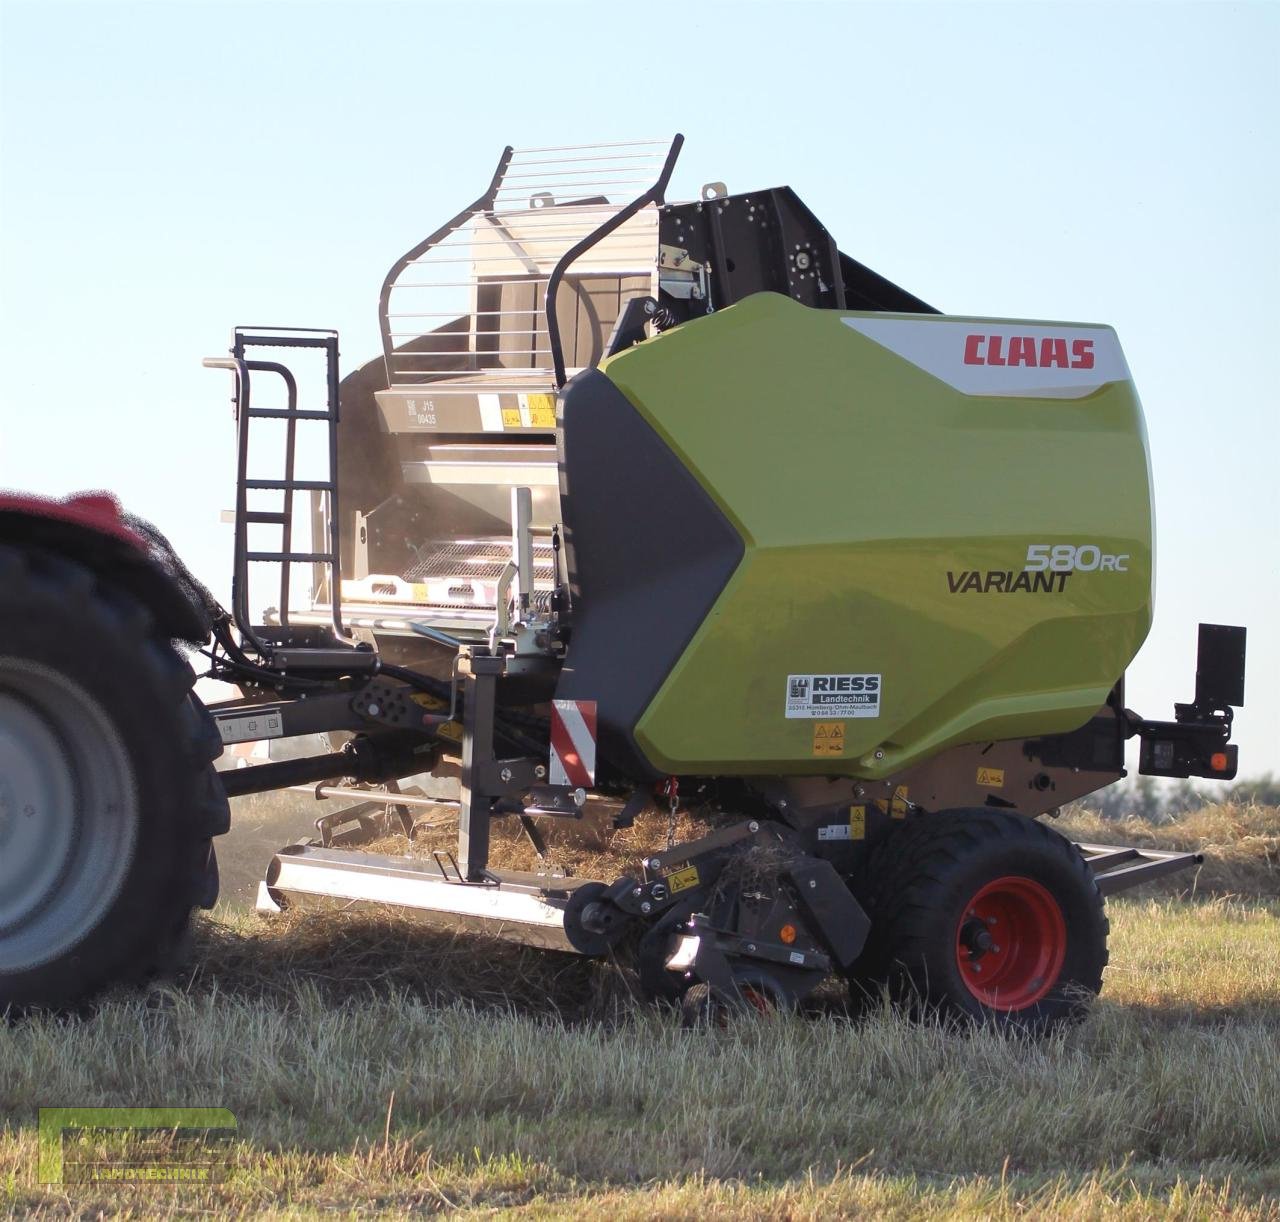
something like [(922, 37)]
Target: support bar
[(1150, 864), (523, 907)]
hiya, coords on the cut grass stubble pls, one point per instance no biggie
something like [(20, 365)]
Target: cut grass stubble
[(375, 1064)]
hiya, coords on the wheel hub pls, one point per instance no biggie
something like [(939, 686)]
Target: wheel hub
[(38, 810), (1011, 941), (68, 813), (975, 935)]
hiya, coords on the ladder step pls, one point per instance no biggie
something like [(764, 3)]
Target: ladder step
[(291, 557), (271, 519), (297, 485), (281, 413), (323, 339)]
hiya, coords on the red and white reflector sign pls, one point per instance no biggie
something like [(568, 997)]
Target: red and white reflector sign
[(573, 743)]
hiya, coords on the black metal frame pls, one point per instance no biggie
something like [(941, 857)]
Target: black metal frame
[(479, 677), (1136, 866), (679, 893)]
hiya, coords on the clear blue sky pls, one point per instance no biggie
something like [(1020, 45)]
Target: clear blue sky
[(169, 170)]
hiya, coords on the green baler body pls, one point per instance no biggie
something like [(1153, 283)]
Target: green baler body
[(868, 492)]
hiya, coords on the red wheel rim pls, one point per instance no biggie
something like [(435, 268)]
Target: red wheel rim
[(757, 999), (1011, 940)]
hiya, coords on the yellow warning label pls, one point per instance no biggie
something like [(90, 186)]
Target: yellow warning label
[(451, 731), (828, 738), (682, 880), (898, 807), (510, 417), (992, 778), (542, 411), (857, 822)]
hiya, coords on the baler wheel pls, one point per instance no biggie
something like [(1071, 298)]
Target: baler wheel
[(702, 1006), (108, 797), (1011, 941), (986, 916)]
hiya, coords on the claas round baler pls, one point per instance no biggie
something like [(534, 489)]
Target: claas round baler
[(645, 506), (830, 507)]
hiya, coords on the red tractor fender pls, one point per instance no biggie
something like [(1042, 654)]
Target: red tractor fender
[(91, 529)]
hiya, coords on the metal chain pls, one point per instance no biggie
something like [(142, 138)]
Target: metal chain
[(672, 789)]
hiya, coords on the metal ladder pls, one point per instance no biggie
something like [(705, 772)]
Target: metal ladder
[(245, 339)]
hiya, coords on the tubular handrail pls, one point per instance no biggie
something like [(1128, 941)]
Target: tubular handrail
[(656, 194), (239, 368), (483, 204), (471, 283)]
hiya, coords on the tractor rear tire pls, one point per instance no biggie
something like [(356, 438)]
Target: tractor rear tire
[(984, 916), (108, 796)]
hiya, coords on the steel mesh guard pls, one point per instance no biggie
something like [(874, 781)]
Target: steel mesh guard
[(476, 560)]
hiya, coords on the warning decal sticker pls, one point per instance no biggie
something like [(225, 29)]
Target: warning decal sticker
[(250, 728), (828, 738), (538, 411), (682, 880), (830, 696), (573, 743)]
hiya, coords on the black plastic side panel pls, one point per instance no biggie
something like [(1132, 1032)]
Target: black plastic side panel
[(1220, 667), (649, 552)]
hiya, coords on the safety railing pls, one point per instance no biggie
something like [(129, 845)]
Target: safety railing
[(528, 280)]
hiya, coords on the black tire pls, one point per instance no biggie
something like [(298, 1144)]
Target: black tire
[(941, 886), (703, 1007), (108, 796), (700, 1008)]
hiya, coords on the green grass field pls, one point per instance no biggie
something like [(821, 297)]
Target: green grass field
[(378, 1068)]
